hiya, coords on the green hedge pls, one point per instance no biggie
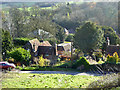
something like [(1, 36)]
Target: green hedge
[(20, 41), (81, 61)]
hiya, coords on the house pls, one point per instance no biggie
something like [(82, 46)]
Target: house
[(64, 49), (33, 45), (110, 49), (113, 48)]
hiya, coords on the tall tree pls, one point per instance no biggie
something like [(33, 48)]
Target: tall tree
[(16, 22), (110, 32), (88, 37), (60, 35), (7, 44)]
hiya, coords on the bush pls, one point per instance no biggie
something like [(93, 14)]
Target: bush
[(98, 55), (113, 59), (43, 62), (20, 55), (10, 60), (81, 61), (66, 65)]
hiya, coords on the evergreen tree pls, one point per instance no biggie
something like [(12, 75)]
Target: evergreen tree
[(88, 37)]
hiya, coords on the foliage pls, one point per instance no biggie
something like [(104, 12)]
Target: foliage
[(109, 32), (100, 62), (41, 61), (81, 61), (113, 59), (52, 41), (20, 55), (24, 21), (98, 55), (20, 41), (69, 38), (10, 60), (67, 64), (60, 35), (88, 37), (45, 68), (28, 80), (7, 44)]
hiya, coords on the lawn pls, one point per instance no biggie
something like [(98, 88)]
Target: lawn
[(19, 80)]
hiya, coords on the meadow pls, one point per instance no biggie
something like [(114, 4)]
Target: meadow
[(20, 80)]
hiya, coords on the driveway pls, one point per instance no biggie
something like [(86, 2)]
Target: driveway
[(61, 72)]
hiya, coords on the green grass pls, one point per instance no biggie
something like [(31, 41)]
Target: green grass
[(18, 80), (107, 81)]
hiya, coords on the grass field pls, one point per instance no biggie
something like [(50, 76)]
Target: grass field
[(15, 80)]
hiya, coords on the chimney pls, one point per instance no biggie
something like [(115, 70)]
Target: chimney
[(108, 41), (56, 49)]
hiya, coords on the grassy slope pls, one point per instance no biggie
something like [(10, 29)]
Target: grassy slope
[(46, 81)]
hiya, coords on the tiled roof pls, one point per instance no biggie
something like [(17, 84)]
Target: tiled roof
[(45, 43), (37, 43)]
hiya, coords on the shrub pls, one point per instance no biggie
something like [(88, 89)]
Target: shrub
[(41, 61), (66, 65), (113, 59), (98, 55), (115, 55), (47, 62), (10, 60), (81, 61), (100, 62), (20, 55)]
